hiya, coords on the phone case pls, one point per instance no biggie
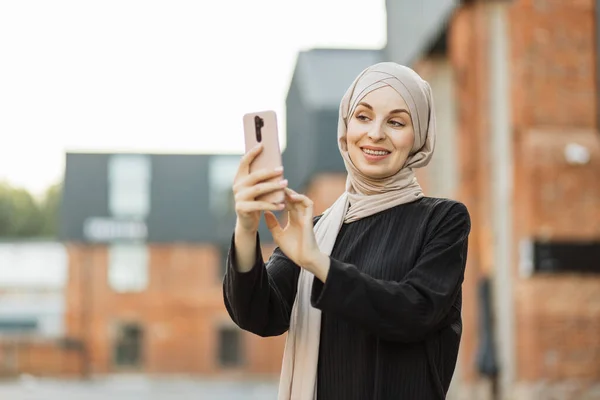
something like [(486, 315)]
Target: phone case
[(261, 127)]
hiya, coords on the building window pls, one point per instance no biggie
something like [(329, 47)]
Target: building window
[(18, 326), (222, 170), (129, 185), (128, 346), (230, 347), (561, 256), (128, 267)]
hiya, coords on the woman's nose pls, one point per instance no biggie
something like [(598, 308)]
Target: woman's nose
[(376, 133)]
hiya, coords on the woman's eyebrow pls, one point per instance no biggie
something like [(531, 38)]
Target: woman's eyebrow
[(396, 111)]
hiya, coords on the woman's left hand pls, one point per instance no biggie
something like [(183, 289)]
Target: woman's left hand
[(297, 239)]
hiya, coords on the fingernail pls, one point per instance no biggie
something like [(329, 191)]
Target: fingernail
[(281, 206), (283, 182)]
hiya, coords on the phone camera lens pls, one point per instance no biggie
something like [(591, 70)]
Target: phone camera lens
[(258, 125)]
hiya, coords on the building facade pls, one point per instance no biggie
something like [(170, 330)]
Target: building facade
[(146, 237), (516, 92), (33, 276)]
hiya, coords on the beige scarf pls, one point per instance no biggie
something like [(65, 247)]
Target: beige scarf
[(367, 196)]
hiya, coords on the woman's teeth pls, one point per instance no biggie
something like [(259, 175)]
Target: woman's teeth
[(376, 152)]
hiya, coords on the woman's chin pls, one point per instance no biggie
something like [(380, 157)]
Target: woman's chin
[(376, 171)]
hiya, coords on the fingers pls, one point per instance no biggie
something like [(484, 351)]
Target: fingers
[(252, 192), (242, 207), (292, 206), (296, 198), (299, 203), (290, 199), (247, 159), (290, 192), (256, 178)]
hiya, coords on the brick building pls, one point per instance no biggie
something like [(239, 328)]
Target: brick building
[(146, 236), (516, 91), (32, 309)]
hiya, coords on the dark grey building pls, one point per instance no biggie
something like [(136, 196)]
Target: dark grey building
[(151, 198)]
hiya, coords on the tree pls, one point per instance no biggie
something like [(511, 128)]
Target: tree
[(50, 208), (22, 216)]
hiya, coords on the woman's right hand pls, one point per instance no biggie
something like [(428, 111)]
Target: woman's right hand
[(248, 186)]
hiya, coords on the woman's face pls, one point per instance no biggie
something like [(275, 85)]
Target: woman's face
[(380, 133)]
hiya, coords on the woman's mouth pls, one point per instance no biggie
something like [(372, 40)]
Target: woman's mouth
[(374, 155)]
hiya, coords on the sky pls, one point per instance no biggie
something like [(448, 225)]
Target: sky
[(154, 76)]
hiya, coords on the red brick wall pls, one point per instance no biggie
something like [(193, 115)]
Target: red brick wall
[(39, 357), (559, 317), (180, 311), (553, 103), (553, 63), (467, 39)]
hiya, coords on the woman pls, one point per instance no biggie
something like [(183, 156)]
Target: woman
[(370, 297)]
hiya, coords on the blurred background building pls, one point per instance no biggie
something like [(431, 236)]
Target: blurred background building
[(147, 236), (33, 276), (134, 283), (516, 90)]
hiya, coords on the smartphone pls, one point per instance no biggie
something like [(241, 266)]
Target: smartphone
[(261, 127)]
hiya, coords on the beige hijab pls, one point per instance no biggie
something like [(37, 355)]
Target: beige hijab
[(367, 196)]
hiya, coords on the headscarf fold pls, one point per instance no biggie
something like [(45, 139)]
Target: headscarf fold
[(367, 196)]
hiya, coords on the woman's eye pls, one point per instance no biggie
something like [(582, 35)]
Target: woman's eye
[(397, 124), (362, 117)]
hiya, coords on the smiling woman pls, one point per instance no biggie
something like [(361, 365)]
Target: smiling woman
[(370, 291)]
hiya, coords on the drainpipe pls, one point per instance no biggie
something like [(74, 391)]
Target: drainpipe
[(596, 47), (502, 193), (86, 311)]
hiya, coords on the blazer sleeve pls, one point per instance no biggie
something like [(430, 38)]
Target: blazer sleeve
[(410, 309), (260, 300)]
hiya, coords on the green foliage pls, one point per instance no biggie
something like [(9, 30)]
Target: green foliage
[(50, 210), (24, 216)]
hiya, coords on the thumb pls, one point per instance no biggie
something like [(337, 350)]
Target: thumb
[(272, 223)]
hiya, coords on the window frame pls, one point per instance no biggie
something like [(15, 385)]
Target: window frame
[(112, 276), (222, 347), (120, 328), (129, 177)]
